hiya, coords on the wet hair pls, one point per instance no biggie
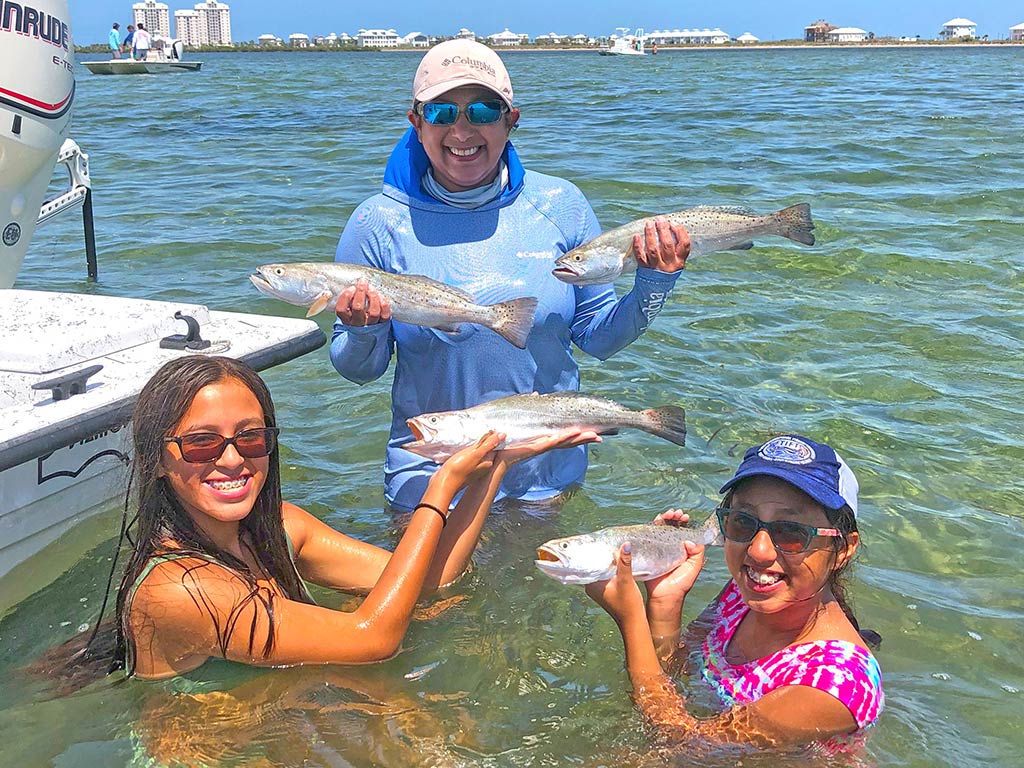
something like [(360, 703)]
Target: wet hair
[(843, 520), (161, 525)]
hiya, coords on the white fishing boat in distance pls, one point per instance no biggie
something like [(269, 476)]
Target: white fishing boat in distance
[(165, 56), (626, 44)]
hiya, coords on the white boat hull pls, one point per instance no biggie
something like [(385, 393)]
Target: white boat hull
[(131, 67), (62, 460)]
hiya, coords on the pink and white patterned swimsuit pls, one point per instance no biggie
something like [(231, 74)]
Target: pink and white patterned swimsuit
[(842, 669)]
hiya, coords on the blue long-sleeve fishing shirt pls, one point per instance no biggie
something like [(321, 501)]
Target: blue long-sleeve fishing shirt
[(499, 251)]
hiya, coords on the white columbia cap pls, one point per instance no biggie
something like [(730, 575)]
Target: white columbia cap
[(460, 62)]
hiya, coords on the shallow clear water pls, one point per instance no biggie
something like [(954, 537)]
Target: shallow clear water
[(897, 338)]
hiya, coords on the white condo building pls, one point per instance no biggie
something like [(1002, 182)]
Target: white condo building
[(955, 28), (208, 24), (1017, 33), (188, 28), (154, 16), (377, 38)]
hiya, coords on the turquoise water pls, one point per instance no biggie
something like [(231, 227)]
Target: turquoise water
[(897, 338)]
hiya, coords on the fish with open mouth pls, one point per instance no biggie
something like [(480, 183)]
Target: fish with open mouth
[(711, 228), (414, 299), (524, 417), (590, 557)]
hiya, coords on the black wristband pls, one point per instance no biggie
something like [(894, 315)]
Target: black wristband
[(444, 517)]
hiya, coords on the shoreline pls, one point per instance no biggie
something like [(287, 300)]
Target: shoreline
[(797, 45)]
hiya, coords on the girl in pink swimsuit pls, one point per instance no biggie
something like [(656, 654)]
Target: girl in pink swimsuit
[(778, 646)]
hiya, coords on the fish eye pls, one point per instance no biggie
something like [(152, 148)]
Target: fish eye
[(433, 419), (564, 545), (577, 257), (279, 271)]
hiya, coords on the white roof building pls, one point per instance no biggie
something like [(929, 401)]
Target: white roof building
[(377, 38), (1017, 32), (687, 37), (550, 38), (746, 37), (298, 40), (955, 28), (507, 38), (154, 16), (268, 40), (580, 39), (416, 40), (847, 35), (465, 34)]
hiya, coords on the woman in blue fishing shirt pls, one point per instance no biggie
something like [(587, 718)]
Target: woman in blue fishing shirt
[(458, 206)]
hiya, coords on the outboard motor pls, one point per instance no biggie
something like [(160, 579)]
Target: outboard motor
[(177, 49), (37, 88)]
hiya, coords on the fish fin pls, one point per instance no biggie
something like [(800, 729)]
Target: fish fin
[(743, 246), (795, 223), (319, 303), (641, 575), (668, 422), (453, 328), (613, 431), (514, 319)]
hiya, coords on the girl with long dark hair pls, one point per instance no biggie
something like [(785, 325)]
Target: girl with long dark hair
[(218, 559)]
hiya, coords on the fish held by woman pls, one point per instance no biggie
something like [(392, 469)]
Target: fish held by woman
[(711, 228), (414, 299), (524, 417), (590, 557)]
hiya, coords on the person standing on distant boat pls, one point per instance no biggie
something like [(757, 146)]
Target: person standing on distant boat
[(115, 41), (129, 40), (142, 43), (458, 206)]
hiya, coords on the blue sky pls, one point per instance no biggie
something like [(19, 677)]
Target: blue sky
[(779, 19)]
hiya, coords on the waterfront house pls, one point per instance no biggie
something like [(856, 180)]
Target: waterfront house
[(581, 39), (847, 35), (507, 39), (818, 31), (466, 34), (416, 40), (377, 38), (549, 39), (298, 40), (687, 37), (1017, 33), (957, 28), (746, 37), (268, 41)]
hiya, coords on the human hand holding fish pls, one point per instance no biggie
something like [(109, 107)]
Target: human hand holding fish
[(407, 298), (664, 245), (658, 549), (361, 305), (566, 438), (709, 228)]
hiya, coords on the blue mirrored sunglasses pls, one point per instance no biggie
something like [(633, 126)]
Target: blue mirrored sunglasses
[(478, 113)]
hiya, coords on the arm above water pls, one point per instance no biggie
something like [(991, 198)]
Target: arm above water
[(361, 351), (788, 716), (186, 611)]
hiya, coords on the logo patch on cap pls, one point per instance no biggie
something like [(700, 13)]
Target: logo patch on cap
[(787, 449)]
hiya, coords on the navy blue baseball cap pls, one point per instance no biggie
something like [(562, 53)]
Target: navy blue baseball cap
[(814, 468)]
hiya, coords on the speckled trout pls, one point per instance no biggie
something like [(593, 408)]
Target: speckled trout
[(590, 557), (414, 299), (711, 228), (524, 417)]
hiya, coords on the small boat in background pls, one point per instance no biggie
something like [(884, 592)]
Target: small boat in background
[(165, 56), (626, 44)]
